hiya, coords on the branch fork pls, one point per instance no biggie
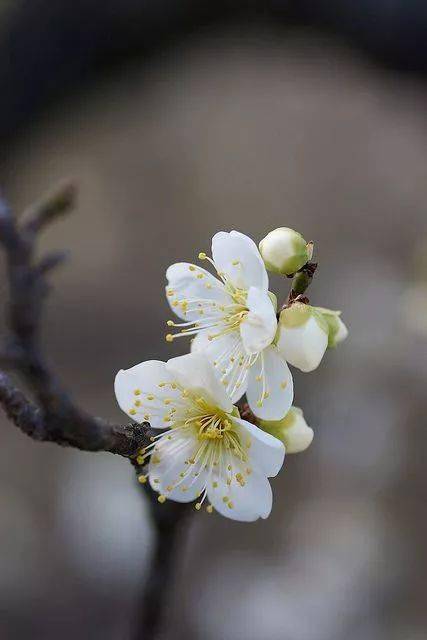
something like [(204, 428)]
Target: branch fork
[(53, 415)]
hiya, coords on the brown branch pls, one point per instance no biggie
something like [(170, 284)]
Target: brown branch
[(168, 520), (53, 417)]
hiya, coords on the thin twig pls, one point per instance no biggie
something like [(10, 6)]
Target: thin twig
[(54, 416)]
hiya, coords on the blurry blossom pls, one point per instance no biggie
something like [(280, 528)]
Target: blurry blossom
[(247, 129)]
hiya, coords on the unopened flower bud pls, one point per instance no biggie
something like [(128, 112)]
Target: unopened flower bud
[(337, 329), (302, 336), (292, 430), (284, 251)]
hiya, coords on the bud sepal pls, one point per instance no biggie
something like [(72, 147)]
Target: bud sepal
[(338, 332)]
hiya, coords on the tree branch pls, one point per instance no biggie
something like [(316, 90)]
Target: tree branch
[(168, 520), (53, 417)]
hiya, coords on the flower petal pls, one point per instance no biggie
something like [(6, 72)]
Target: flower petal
[(169, 471), (266, 453), (270, 374), (226, 354), (238, 257), (259, 326), (140, 395), (303, 346), (194, 371), (244, 503), (199, 288)]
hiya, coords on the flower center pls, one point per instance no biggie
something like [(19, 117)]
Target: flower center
[(217, 457), (212, 427), (216, 318)]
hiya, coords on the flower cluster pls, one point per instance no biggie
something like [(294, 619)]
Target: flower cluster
[(240, 344)]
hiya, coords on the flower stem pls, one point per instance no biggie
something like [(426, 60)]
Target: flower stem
[(300, 283)]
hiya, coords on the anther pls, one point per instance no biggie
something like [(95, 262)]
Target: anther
[(169, 337), (142, 479), (161, 499)]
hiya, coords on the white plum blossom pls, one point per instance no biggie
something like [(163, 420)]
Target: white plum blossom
[(292, 430), (205, 450), (285, 251), (233, 320), (302, 336)]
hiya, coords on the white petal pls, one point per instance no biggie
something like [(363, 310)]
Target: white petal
[(238, 257), (198, 287), (259, 326), (139, 394), (265, 453), (303, 346), (225, 353), (342, 332), (271, 372), (194, 371), (298, 436), (249, 502), (164, 476)]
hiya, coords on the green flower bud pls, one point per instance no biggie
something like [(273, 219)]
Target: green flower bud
[(284, 251), (302, 336), (292, 430), (336, 327)]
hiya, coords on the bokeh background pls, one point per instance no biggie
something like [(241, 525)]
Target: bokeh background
[(178, 119)]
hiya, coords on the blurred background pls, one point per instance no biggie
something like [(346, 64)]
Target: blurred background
[(177, 119)]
